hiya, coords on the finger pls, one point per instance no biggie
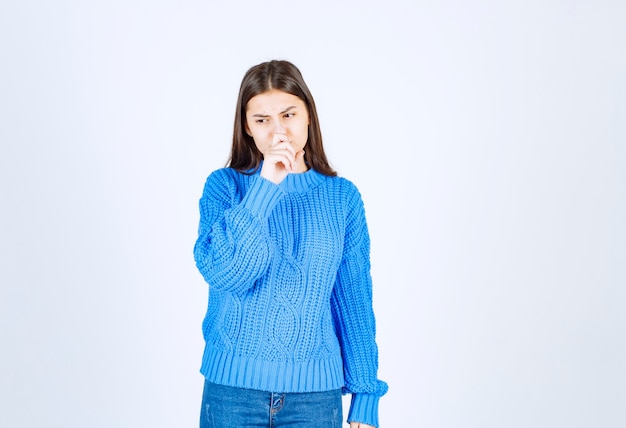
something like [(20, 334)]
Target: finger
[(282, 157), (299, 156), (284, 145), (285, 150)]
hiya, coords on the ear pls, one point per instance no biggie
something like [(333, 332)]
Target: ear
[(245, 127)]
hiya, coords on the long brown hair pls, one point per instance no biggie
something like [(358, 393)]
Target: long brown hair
[(284, 76)]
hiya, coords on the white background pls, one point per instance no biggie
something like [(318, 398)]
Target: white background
[(488, 140)]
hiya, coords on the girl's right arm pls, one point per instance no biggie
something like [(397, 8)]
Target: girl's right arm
[(234, 248)]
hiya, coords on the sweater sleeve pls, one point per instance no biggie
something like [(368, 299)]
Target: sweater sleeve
[(233, 247), (354, 320)]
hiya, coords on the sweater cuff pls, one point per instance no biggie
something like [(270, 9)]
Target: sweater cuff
[(364, 409), (262, 196)]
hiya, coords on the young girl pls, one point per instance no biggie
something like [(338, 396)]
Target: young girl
[(284, 247)]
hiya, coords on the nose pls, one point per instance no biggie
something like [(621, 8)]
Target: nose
[(279, 127)]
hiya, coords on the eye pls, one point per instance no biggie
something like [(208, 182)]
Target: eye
[(261, 121), (287, 115)]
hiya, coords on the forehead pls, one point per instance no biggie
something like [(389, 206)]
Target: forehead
[(273, 101)]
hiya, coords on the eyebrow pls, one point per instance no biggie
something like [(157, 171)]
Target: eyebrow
[(282, 112)]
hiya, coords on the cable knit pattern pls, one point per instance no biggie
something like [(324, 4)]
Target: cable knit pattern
[(290, 301)]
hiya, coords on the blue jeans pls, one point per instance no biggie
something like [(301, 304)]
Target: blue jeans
[(228, 407)]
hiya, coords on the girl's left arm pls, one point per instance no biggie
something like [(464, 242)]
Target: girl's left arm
[(353, 315)]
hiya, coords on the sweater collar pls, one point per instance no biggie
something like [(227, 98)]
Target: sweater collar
[(301, 182)]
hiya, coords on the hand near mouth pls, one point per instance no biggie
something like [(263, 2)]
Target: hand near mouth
[(280, 159)]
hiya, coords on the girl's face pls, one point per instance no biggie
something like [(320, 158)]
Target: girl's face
[(275, 116)]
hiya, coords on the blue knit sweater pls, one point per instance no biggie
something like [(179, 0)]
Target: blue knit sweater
[(290, 300)]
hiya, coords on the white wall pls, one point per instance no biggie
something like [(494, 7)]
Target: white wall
[(487, 139)]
